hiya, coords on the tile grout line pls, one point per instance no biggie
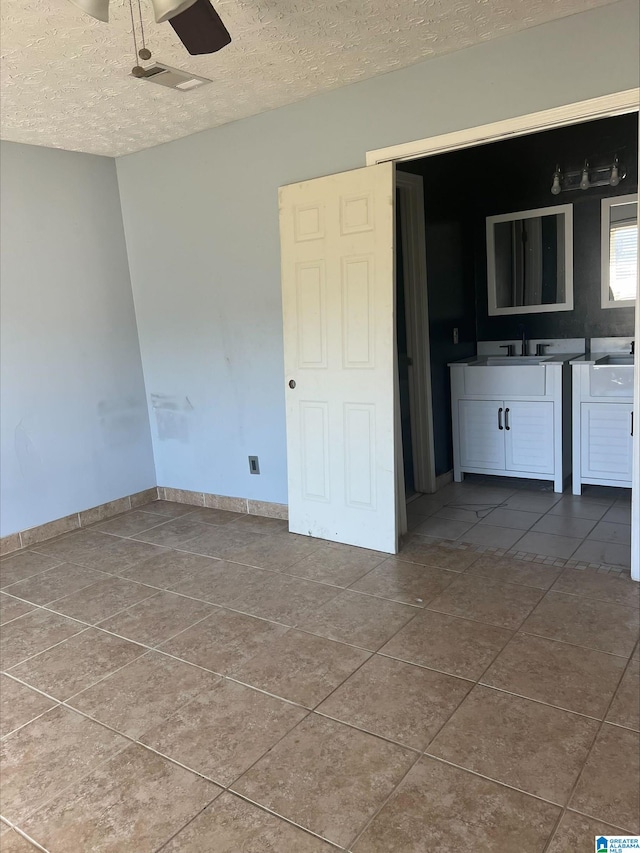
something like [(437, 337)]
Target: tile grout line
[(83, 775), (184, 826), (590, 750), (499, 782), (49, 606), (137, 742), (563, 808), (48, 648), (56, 702), (258, 759), (622, 829), (419, 753), (286, 625), (478, 549), (41, 572), (258, 806), (288, 820), (315, 709), (476, 684), (287, 574), (24, 835), (107, 576), (50, 609), (22, 615), (371, 653), (424, 752)]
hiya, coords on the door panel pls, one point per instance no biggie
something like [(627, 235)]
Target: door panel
[(314, 444), (529, 437), (606, 441), (481, 439), (358, 318), (338, 293), (311, 315)]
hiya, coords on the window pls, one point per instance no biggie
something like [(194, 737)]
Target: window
[(619, 251)]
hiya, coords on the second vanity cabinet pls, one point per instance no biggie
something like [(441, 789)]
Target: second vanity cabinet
[(510, 418), (602, 421)]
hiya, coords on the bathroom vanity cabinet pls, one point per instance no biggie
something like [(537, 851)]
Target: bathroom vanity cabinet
[(511, 417), (602, 420)]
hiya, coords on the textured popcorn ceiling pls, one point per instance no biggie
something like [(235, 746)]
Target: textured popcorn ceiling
[(66, 81)]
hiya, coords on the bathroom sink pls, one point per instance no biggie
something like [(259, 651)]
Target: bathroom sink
[(615, 360), (506, 376), (612, 376), (516, 360)]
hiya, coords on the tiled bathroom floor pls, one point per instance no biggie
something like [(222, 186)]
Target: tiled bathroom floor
[(522, 517), (194, 681)]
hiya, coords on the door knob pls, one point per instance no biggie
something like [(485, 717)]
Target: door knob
[(292, 383)]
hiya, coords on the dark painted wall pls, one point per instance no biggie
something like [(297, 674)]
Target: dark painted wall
[(461, 190), (451, 306), (528, 164)]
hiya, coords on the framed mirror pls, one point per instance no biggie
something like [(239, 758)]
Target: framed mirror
[(619, 224), (530, 261)]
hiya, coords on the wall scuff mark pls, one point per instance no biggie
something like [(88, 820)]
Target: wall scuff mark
[(172, 417)]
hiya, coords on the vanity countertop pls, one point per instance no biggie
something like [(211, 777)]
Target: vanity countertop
[(516, 361), (597, 357)]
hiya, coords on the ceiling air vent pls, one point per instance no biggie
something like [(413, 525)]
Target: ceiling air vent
[(172, 78)]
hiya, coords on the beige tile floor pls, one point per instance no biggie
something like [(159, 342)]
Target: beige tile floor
[(194, 681), (525, 517)]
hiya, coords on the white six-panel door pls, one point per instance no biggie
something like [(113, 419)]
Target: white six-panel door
[(338, 293)]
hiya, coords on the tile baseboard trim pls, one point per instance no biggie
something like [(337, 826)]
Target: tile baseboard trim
[(75, 521), (225, 502), (443, 480)]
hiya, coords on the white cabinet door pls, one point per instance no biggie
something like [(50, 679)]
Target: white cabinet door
[(481, 424), (529, 437), (338, 292), (606, 441)]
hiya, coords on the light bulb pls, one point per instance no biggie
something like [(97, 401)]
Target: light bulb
[(614, 180), (584, 181), (555, 186)]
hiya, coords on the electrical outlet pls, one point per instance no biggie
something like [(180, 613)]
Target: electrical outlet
[(456, 337), (254, 465)]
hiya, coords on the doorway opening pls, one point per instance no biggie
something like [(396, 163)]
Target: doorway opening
[(465, 184)]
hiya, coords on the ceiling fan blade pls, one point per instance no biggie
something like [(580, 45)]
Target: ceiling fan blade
[(200, 29)]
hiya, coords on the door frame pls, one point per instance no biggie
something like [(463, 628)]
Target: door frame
[(617, 103), (414, 258)]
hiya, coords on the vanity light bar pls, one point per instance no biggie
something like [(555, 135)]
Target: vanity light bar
[(588, 176)]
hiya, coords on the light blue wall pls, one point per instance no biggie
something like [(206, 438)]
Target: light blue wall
[(201, 223), (74, 422)]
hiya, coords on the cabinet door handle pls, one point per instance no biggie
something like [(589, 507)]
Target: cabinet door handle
[(500, 419), (631, 423), (506, 419)]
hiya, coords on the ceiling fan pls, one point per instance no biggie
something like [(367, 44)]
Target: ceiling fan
[(196, 22)]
